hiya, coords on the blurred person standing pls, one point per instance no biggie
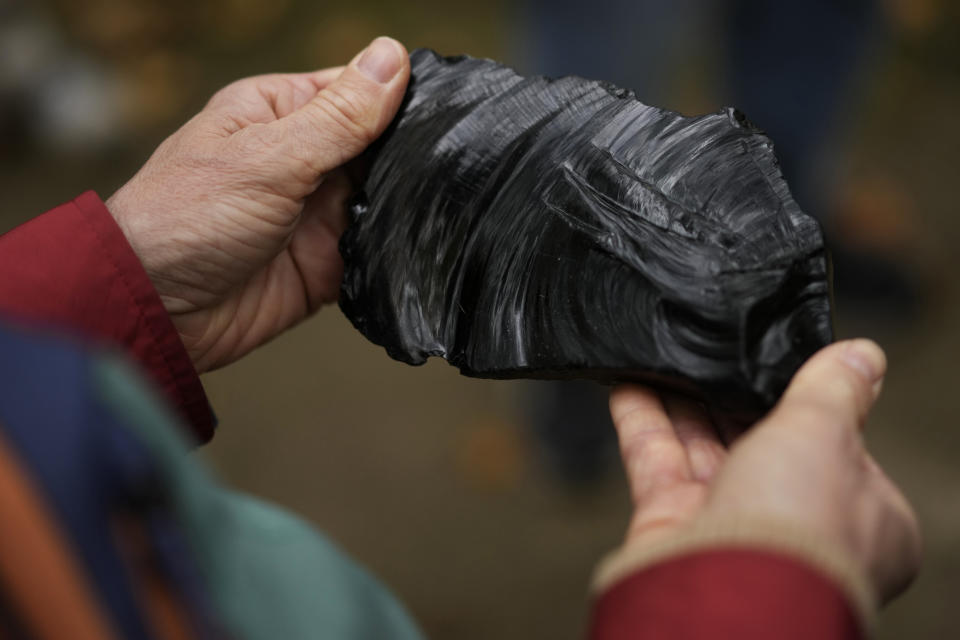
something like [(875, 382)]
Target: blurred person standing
[(791, 66)]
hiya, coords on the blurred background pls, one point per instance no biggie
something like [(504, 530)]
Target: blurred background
[(485, 504)]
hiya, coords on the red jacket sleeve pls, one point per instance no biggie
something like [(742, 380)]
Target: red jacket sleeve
[(747, 594), (72, 269)]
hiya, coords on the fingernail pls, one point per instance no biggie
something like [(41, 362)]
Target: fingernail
[(867, 358), (381, 60)]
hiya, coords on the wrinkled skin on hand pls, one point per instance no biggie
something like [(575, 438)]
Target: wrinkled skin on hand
[(236, 216), (804, 466)]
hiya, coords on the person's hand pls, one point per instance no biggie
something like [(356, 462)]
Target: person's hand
[(804, 466), (236, 217)]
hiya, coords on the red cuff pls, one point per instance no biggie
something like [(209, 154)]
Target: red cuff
[(725, 593), (72, 268)]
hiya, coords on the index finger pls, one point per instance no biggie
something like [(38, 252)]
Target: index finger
[(653, 455), (286, 92)]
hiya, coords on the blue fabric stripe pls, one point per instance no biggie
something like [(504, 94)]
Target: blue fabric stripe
[(89, 467)]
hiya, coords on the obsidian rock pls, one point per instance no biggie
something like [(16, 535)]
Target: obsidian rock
[(559, 228)]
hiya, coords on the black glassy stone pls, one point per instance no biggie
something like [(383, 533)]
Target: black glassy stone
[(559, 228)]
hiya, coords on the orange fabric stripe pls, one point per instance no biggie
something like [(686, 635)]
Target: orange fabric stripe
[(42, 580), (164, 609)]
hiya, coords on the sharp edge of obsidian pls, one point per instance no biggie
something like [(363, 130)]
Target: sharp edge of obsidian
[(560, 228)]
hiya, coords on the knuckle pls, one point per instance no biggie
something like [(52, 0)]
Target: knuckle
[(802, 414), (835, 412), (639, 439), (652, 447), (637, 422), (226, 94), (250, 150), (835, 387), (259, 138), (347, 108)]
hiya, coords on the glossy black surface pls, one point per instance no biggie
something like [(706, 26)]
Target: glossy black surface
[(531, 227)]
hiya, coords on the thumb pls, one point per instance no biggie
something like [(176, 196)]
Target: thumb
[(353, 110), (835, 388)]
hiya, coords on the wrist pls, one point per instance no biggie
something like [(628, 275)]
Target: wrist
[(716, 532), (119, 206), (150, 245), (123, 208)]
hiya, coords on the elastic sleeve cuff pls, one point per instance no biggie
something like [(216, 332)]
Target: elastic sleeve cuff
[(751, 536)]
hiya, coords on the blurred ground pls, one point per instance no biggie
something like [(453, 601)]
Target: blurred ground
[(429, 478)]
